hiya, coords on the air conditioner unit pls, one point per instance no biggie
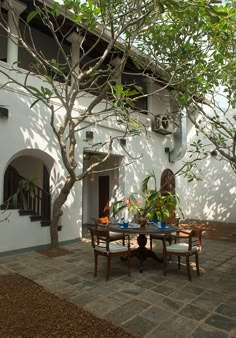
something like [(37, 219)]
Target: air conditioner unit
[(163, 125)]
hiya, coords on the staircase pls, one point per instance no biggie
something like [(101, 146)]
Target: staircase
[(31, 200)]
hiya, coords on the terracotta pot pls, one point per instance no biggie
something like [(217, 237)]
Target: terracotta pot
[(142, 221)]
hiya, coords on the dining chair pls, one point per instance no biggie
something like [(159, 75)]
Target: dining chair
[(169, 221), (187, 244), (101, 243), (103, 223)]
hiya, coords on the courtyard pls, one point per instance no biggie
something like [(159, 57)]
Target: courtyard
[(145, 304)]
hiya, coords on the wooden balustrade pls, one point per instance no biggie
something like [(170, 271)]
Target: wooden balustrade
[(34, 201)]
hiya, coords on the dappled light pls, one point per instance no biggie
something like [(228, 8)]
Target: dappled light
[(99, 118)]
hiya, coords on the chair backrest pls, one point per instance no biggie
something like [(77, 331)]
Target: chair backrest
[(102, 220), (99, 237), (195, 239), (102, 223), (191, 237), (172, 220)]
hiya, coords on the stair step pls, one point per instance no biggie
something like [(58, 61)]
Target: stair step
[(23, 212), (35, 218), (45, 223), (10, 207)]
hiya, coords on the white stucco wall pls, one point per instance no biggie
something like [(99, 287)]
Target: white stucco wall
[(214, 197), (20, 233), (29, 129)]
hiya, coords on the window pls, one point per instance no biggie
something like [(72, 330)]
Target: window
[(136, 82)]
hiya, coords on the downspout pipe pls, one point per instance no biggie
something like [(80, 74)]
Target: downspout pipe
[(179, 140)]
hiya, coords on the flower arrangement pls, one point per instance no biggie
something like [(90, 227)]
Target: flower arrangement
[(151, 205)]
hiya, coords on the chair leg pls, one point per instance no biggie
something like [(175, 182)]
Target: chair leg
[(163, 245), (164, 264), (95, 264), (150, 238), (128, 258), (108, 267), (197, 263), (188, 268), (179, 262)]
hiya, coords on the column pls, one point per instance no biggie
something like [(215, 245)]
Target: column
[(75, 40), (13, 22)]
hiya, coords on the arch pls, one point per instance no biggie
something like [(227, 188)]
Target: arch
[(36, 153), (167, 181), (33, 165)]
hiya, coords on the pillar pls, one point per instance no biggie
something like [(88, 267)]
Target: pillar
[(15, 8)]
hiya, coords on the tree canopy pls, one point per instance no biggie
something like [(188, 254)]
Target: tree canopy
[(194, 41)]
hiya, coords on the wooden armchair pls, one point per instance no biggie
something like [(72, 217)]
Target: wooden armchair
[(169, 221), (103, 224), (187, 244), (101, 243)]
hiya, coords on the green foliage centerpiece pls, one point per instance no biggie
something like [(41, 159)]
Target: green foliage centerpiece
[(149, 205)]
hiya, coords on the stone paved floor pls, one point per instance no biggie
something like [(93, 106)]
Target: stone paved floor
[(147, 305)]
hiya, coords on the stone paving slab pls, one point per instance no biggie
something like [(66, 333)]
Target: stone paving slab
[(145, 304)]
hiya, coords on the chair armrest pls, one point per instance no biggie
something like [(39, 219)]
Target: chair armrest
[(178, 235), (127, 237), (180, 231)]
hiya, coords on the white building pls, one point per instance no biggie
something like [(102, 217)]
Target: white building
[(28, 148)]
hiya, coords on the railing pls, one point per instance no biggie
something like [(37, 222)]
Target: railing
[(19, 193)]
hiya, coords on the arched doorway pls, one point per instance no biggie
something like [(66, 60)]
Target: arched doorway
[(167, 181), (28, 175), (168, 185)]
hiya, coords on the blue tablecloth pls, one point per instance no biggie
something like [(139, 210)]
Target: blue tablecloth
[(150, 226)]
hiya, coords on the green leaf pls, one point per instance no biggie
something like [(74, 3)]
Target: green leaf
[(31, 15), (34, 89), (34, 103), (161, 7)]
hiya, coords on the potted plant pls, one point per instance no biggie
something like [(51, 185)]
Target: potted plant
[(138, 205), (164, 204), (149, 205)]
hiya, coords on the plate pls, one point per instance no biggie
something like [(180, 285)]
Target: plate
[(130, 226), (165, 227), (134, 226)]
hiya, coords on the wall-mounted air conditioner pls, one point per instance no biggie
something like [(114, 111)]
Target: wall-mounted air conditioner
[(163, 125)]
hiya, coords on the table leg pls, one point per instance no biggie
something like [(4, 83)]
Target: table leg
[(142, 252)]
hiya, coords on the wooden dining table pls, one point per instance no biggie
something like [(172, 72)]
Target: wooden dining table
[(142, 252)]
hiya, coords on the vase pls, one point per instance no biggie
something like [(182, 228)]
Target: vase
[(142, 221)]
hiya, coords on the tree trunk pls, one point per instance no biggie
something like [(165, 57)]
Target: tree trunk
[(57, 212)]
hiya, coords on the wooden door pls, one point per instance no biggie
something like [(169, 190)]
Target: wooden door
[(167, 181), (104, 196), (168, 185)]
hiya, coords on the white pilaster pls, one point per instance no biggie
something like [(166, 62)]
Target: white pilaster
[(15, 8), (75, 40), (116, 63)]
